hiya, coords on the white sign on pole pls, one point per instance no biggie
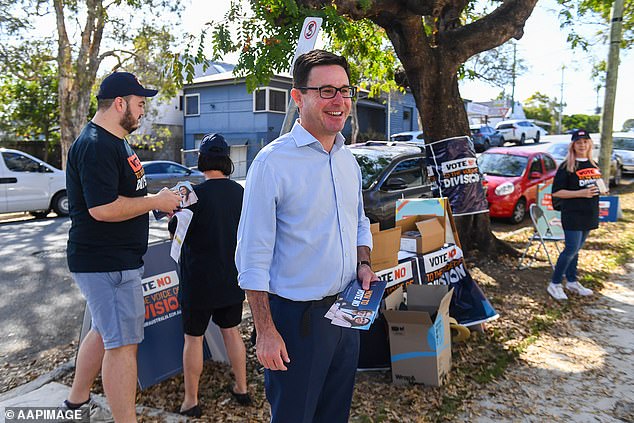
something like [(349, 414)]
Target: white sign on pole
[(306, 42), (307, 38)]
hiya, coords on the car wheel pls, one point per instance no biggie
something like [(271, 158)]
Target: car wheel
[(522, 140), (616, 180), (39, 214), (519, 211), (60, 204), (487, 145), (537, 137), (502, 141)]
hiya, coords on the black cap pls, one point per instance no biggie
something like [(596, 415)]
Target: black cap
[(120, 84), (213, 145), (578, 134)]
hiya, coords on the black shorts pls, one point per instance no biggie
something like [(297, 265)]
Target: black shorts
[(195, 321)]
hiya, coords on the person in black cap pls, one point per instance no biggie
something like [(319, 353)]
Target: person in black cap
[(575, 184), (209, 279), (108, 237)]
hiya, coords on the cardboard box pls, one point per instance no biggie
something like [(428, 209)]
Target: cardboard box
[(422, 234), (385, 246), (430, 207), (420, 338)]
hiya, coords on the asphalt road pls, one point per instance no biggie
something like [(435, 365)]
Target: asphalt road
[(40, 305)]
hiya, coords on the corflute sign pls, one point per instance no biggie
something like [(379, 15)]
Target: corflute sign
[(453, 170)]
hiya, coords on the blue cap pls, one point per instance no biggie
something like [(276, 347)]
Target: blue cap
[(121, 84), (213, 145)]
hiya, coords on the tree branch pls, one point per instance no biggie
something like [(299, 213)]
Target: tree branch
[(114, 53), (505, 22)]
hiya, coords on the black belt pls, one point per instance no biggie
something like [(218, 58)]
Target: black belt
[(324, 302)]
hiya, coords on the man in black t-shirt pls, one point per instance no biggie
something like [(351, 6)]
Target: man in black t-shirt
[(109, 209)]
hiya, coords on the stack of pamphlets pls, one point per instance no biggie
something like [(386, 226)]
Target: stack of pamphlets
[(356, 307)]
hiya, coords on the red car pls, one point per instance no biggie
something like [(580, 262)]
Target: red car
[(511, 177)]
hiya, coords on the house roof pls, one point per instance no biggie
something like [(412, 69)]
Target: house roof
[(227, 78)]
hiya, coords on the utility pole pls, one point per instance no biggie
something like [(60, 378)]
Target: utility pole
[(561, 99), (513, 76), (607, 117)]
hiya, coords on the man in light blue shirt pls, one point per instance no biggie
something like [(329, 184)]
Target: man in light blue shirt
[(303, 237)]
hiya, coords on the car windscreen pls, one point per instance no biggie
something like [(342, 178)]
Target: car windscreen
[(502, 164), (505, 126), (372, 162), (559, 150), (623, 144), (475, 131)]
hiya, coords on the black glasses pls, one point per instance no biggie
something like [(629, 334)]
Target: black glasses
[(328, 91)]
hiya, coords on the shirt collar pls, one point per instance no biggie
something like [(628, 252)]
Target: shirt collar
[(303, 138)]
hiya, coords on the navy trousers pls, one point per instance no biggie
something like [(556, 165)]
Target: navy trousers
[(318, 385)]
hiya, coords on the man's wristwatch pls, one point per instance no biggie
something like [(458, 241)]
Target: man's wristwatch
[(362, 262)]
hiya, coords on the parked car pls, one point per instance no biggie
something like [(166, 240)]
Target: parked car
[(485, 137), (558, 148), (511, 179), (27, 184), (164, 173), (519, 130), (412, 136), (623, 146), (390, 171)]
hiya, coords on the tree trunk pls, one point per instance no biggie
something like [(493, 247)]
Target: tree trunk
[(433, 77), (76, 78)]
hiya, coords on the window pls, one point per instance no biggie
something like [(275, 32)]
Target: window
[(192, 105), (410, 171), (270, 100), (549, 163), (536, 165), (174, 168), (260, 100), (277, 101), (154, 168), (19, 163)]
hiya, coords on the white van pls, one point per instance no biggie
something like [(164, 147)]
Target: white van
[(28, 184)]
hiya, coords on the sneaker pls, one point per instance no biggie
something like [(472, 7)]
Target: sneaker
[(556, 291), (90, 412), (579, 289)]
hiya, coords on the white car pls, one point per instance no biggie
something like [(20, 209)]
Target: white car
[(623, 146), (28, 184), (519, 130)]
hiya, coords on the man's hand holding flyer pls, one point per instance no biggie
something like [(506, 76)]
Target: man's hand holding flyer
[(188, 197), (357, 307)]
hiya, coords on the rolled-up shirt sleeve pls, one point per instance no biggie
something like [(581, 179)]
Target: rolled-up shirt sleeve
[(364, 236), (256, 231)]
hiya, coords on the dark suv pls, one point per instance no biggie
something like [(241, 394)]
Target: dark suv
[(390, 170)]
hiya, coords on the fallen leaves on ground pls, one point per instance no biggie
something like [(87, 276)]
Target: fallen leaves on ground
[(526, 314)]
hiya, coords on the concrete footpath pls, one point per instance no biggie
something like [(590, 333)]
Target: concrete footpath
[(45, 392), (584, 374)]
